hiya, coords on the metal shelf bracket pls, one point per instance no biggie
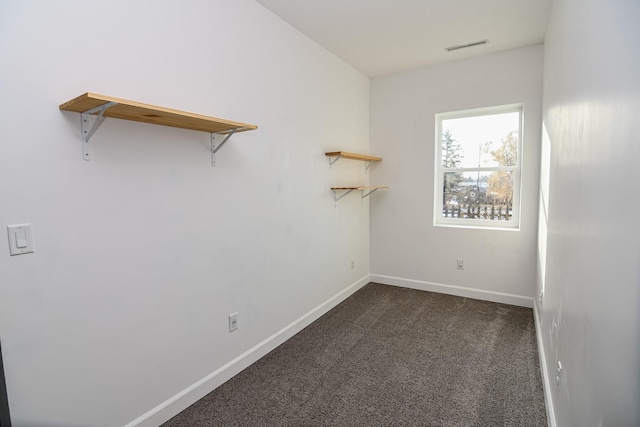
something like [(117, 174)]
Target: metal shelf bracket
[(89, 129), (215, 148), (363, 195), (336, 197), (333, 160), (367, 163), (366, 166)]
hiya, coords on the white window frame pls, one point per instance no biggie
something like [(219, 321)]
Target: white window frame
[(438, 219)]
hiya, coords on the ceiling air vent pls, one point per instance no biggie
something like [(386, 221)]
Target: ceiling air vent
[(462, 46)]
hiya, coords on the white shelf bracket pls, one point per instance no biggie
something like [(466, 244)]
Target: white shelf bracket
[(215, 148), (333, 160), (89, 129), (336, 197), (363, 195)]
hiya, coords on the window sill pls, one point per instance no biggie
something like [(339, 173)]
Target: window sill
[(489, 227)]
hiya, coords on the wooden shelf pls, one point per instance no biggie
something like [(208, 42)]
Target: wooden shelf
[(360, 188), (353, 156), (139, 112), (94, 108), (366, 190)]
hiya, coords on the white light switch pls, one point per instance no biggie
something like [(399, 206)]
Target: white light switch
[(20, 239)]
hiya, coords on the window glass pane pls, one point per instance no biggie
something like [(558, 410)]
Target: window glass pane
[(478, 195), (480, 141)]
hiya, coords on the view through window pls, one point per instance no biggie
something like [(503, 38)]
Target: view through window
[(478, 167)]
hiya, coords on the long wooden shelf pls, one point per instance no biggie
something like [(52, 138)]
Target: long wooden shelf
[(94, 108), (146, 113), (353, 156)]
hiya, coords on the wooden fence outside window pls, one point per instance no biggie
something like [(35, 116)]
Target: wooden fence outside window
[(478, 211)]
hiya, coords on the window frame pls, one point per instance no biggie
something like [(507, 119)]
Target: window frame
[(439, 171)]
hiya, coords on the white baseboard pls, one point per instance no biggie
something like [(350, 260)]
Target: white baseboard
[(460, 291), (551, 416), (206, 385)]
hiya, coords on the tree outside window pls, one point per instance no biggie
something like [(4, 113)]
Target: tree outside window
[(478, 167)]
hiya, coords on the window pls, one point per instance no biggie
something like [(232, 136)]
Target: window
[(478, 158)]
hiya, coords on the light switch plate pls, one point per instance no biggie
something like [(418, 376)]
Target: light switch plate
[(20, 239), (233, 322)]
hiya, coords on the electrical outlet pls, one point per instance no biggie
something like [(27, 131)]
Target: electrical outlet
[(541, 295), (233, 322), (353, 264), (460, 264)]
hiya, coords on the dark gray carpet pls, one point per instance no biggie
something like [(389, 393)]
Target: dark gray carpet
[(390, 356)]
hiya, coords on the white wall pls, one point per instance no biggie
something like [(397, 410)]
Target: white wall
[(592, 277), (142, 252), (406, 249)]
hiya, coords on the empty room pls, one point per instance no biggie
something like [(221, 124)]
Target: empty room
[(319, 213)]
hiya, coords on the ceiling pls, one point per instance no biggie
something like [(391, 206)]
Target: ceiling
[(381, 37)]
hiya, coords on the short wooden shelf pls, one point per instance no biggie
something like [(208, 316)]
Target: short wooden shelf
[(377, 187), (353, 156), (365, 190), (94, 108), (146, 113)]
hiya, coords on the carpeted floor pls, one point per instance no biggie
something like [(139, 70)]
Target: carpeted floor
[(390, 356)]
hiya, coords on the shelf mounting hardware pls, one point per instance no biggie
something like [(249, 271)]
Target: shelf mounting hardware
[(366, 166), (88, 130), (215, 148), (363, 195), (336, 197), (334, 159)]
